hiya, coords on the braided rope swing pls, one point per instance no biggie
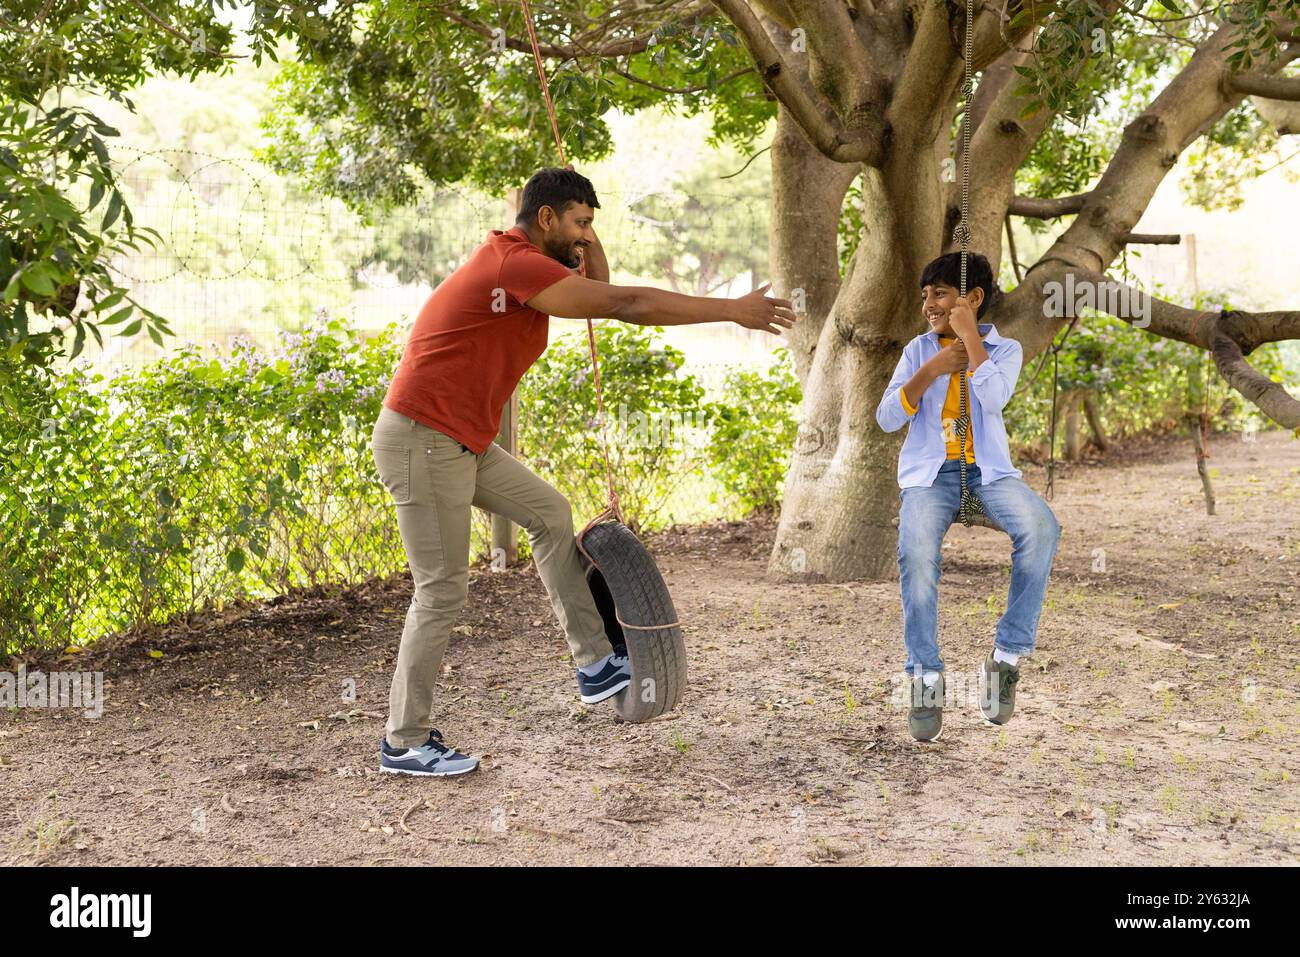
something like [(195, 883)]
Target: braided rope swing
[(969, 509)]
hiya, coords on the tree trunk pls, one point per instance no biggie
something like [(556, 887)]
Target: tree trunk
[(1073, 435), (1094, 422), (841, 490)]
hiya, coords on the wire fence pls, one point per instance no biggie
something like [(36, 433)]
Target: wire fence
[(247, 253)]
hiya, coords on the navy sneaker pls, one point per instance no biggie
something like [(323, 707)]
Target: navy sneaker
[(610, 680), (433, 758)]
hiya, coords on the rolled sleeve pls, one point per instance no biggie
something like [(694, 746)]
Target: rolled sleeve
[(995, 379), (894, 412)]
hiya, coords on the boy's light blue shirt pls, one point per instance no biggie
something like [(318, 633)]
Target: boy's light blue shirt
[(991, 385)]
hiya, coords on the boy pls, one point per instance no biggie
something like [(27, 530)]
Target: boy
[(925, 394)]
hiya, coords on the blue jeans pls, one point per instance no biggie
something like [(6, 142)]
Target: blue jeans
[(923, 519)]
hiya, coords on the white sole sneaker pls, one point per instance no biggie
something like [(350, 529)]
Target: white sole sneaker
[(426, 774), (607, 693)]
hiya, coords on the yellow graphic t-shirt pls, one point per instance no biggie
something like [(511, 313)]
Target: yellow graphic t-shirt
[(951, 412)]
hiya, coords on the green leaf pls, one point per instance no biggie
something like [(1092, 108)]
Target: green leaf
[(37, 278), (114, 208), (98, 145), (108, 302), (96, 194), (235, 560), (132, 329)]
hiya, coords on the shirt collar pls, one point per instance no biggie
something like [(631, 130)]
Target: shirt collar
[(988, 333), (515, 231)]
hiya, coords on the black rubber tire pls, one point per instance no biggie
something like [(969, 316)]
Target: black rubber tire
[(626, 580)]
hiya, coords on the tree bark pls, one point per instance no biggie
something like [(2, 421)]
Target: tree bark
[(803, 244)]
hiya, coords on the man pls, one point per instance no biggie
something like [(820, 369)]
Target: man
[(472, 342)]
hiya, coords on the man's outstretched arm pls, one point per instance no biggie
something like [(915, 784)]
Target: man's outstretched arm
[(577, 297)]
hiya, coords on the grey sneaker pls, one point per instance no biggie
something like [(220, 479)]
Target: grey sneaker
[(998, 689), (925, 709), (432, 758)]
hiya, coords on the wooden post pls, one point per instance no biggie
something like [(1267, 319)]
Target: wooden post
[(1200, 422), (505, 533)]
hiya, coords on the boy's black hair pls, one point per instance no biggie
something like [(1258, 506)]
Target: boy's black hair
[(979, 275), (556, 188)]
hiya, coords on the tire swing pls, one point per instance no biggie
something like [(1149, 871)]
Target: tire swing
[(625, 582), (638, 612)]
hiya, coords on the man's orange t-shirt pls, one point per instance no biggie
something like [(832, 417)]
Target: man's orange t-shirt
[(474, 339)]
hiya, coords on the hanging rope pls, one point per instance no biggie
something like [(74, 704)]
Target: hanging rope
[(969, 506), (612, 509), (1051, 444)]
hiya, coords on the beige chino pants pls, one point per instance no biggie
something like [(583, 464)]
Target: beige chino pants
[(433, 481)]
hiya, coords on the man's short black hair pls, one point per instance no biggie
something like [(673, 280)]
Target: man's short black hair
[(556, 188), (979, 275)]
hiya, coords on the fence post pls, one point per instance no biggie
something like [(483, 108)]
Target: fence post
[(505, 534)]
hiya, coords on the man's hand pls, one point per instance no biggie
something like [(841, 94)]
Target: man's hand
[(594, 265), (951, 358), (757, 311)]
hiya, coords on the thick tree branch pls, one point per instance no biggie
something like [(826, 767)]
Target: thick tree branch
[(821, 128), (995, 78), (929, 76), (1229, 336), (1037, 207), (1002, 142), (1261, 84), (803, 240), (838, 66), (1188, 106)]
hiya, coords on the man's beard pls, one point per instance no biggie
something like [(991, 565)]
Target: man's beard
[(568, 256)]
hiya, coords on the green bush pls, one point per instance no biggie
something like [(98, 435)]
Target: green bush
[(753, 432), (191, 482), (654, 420)]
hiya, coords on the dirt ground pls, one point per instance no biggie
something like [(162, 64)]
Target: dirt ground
[(1156, 724)]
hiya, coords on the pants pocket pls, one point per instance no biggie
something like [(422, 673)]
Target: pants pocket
[(394, 464)]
